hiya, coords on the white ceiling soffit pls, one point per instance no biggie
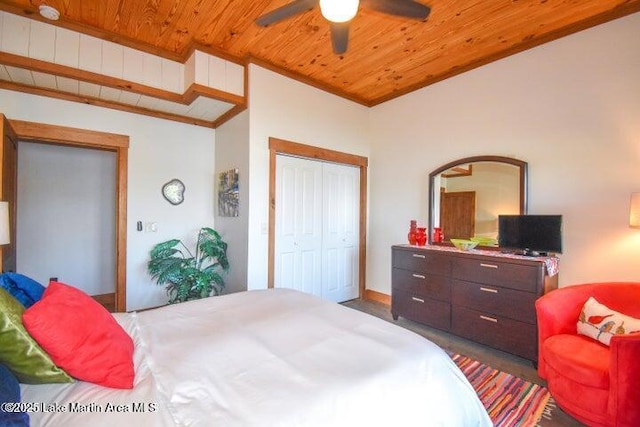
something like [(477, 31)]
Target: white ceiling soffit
[(43, 59)]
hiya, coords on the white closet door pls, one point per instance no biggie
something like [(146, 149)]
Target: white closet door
[(340, 231), (317, 228), (298, 239)]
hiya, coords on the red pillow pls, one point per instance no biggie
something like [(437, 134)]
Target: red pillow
[(81, 336)]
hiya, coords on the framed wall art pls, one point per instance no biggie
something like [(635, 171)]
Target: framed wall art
[(228, 193)]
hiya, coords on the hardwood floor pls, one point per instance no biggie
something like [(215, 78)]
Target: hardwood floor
[(495, 358)]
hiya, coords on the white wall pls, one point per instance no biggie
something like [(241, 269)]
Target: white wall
[(232, 151), (569, 108), (159, 151), (287, 109)]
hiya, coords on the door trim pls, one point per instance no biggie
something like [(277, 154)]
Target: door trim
[(280, 146), (82, 138), (8, 186)]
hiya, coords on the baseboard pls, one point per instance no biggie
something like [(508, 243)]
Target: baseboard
[(377, 297)]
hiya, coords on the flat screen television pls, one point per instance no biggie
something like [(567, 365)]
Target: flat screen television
[(530, 234)]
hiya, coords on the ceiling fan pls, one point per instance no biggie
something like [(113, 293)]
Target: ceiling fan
[(340, 12)]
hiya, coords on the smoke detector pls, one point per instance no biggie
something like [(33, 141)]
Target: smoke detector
[(49, 12)]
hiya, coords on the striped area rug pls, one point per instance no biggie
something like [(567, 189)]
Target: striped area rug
[(509, 400)]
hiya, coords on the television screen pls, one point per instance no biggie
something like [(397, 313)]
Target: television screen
[(530, 234)]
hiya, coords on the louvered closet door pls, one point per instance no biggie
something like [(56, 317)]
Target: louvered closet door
[(317, 231)]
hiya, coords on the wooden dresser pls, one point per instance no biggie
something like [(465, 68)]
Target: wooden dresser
[(484, 296)]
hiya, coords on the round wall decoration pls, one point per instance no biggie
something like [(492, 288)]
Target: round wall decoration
[(173, 191)]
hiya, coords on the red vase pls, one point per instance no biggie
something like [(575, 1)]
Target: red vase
[(412, 232), (438, 236), (421, 236)]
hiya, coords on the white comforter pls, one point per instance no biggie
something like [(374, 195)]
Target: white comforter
[(269, 358)]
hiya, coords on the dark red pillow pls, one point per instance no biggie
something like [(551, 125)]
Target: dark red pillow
[(81, 336)]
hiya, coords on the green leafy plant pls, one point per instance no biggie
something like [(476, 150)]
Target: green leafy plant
[(188, 276)]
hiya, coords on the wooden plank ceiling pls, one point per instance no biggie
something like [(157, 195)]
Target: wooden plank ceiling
[(387, 56)]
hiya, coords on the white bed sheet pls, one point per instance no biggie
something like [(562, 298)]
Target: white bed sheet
[(270, 358)]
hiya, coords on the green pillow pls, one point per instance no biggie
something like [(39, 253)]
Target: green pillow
[(19, 352)]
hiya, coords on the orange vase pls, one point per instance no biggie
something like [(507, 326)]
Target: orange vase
[(421, 236)]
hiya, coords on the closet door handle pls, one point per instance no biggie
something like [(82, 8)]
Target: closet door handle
[(493, 291), (418, 276), (488, 265), (489, 319), (418, 256), (417, 299)]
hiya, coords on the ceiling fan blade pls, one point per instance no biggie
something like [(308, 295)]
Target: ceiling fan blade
[(406, 8), (339, 37), (286, 11)]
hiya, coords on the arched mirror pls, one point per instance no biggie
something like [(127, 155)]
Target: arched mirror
[(467, 195)]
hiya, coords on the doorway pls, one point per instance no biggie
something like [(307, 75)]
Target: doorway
[(71, 188), (72, 137), (358, 164)]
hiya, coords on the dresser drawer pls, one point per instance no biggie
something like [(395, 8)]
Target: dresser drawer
[(428, 285), (517, 305), (422, 262), (420, 309), (503, 274), (504, 334)]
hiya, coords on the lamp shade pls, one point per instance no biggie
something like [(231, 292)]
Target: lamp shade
[(634, 211), (4, 224), (339, 10)]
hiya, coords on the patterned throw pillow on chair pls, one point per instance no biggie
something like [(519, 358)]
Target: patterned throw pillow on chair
[(600, 322)]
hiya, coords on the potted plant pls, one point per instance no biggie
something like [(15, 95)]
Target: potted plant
[(188, 276)]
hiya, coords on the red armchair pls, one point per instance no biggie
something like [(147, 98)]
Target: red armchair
[(596, 384)]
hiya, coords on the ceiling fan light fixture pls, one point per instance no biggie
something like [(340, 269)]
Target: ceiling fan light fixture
[(339, 10)]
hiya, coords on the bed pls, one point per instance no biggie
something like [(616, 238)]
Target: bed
[(273, 357)]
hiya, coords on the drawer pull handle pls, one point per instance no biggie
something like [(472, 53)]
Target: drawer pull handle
[(418, 256), (418, 276), (488, 265), (417, 299), (490, 319), (493, 291)]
